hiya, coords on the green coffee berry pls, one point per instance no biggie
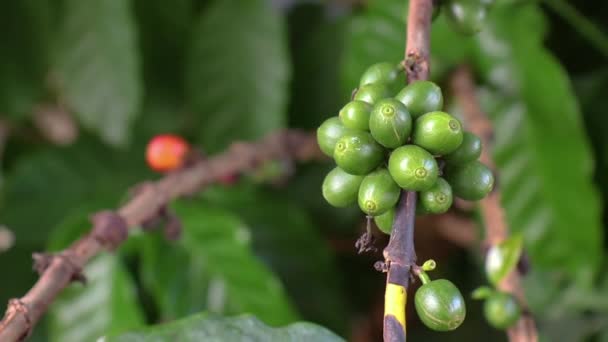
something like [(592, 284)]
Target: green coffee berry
[(437, 199), (413, 168), (421, 97), (384, 72), (390, 123), (501, 310), (355, 115), (340, 189), (358, 153), (438, 132), (471, 181), (328, 134), (468, 151), (466, 16), (378, 193), (371, 93), (440, 305), (385, 221)]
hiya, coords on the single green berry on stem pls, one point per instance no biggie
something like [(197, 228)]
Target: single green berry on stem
[(372, 93), (437, 199), (468, 151), (340, 189), (501, 310), (390, 123), (421, 97), (437, 132), (413, 168), (471, 181), (328, 134), (358, 153), (384, 72), (466, 16), (355, 115), (439, 304), (378, 193), (385, 221)]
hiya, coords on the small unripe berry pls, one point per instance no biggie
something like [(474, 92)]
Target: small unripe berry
[(330, 131), (466, 16), (378, 193), (390, 123), (421, 97), (384, 72), (413, 168), (358, 153), (355, 115), (340, 189), (372, 93), (166, 152), (385, 221), (471, 181), (440, 305), (438, 132), (501, 310), (437, 199), (468, 151)]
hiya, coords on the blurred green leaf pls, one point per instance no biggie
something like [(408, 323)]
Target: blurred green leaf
[(217, 272), (97, 66), (43, 187), (24, 41), (287, 240), (238, 72), (204, 327), (541, 149), (107, 304)]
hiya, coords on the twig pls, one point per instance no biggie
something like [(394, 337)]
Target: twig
[(463, 88), (110, 227), (400, 255)]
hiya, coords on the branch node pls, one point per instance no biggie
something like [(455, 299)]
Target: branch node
[(382, 266), (15, 307), (109, 229), (42, 261)]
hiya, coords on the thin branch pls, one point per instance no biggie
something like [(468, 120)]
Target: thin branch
[(400, 255), (463, 88), (110, 227)]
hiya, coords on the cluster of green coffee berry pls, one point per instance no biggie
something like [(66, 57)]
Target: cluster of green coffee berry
[(501, 309), (382, 144)]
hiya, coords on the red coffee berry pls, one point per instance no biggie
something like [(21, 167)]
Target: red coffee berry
[(166, 152)]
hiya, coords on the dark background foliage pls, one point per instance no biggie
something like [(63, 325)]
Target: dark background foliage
[(218, 71)]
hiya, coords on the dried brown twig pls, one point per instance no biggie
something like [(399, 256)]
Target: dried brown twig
[(110, 227), (463, 88)]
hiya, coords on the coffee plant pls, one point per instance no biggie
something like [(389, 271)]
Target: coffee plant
[(287, 170)]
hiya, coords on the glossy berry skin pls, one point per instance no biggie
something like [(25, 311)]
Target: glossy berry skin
[(384, 72), (438, 132), (468, 151), (440, 305), (390, 123), (385, 221), (371, 93), (437, 199), (421, 97), (378, 193), (413, 168), (471, 181), (501, 310), (328, 134), (466, 16), (358, 153), (355, 115), (166, 152), (340, 189)]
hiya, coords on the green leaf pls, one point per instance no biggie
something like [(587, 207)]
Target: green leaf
[(204, 327), (218, 272), (24, 39), (238, 72), (54, 181), (287, 240), (97, 66), (106, 304), (541, 149)]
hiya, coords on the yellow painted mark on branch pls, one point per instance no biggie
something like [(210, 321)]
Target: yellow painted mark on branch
[(395, 298)]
